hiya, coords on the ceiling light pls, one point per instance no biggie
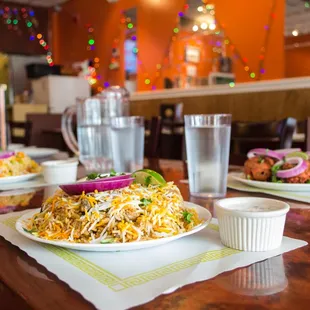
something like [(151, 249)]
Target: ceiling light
[(295, 33), (212, 26), (195, 28), (204, 26), (200, 9)]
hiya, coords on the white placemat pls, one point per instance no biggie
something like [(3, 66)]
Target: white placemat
[(122, 280)]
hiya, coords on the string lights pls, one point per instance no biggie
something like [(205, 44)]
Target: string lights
[(93, 67), (207, 24), (12, 18)]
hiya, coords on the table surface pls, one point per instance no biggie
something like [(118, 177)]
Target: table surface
[(24, 284)]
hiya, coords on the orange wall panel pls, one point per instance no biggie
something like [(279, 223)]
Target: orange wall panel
[(244, 23)]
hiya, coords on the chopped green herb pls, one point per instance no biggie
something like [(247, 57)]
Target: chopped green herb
[(275, 169), (261, 159), (148, 180), (29, 231), (145, 202), (113, 173), (187, 216), (105, 241), (93, 176), (308, 182)]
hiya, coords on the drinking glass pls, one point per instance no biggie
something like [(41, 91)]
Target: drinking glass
[(93, 144), (207, 148), (127, 139)]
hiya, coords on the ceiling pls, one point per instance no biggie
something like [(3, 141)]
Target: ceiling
[(44, 3)]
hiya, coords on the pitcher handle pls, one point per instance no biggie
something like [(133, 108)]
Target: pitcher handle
[(66, 129)]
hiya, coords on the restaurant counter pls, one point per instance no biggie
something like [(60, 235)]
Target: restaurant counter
[(253, 101)]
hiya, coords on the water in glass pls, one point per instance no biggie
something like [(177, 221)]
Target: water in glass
[(127, 147), (207, 155), (95, 147)]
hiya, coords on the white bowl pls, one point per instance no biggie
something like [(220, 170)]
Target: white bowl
[(60, 171), (251, 224)]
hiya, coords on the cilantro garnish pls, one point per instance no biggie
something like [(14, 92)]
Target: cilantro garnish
[(308, 182), (29, 231), (113, 173), (93, 176), (187, 216), (148, 180), (275, 169), (145, 202), (261, 159)]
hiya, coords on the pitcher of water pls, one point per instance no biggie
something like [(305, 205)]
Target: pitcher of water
[(93, 143)]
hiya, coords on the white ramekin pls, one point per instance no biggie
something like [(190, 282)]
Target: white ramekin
[(60, 171), (251, 230)]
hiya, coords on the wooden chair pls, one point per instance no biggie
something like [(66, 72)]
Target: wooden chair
[(152, 142), (153, 130), (272, 135), (171, 111), (26, 127), (308, 134)]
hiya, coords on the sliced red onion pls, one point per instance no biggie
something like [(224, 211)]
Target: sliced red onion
[(5, 155), (99, 185), (264, 152), (301, 166), (115, 178), (284, 152)]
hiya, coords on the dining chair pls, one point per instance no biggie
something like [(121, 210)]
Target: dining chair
[(171, 111), (308, 134), (152, 139), (16, 138), (272, 135)]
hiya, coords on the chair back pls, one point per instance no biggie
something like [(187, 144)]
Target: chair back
[(152, 141), (171, 111), (40, 123), (26, 127), (255, 130), (308, 134), (288, 127)]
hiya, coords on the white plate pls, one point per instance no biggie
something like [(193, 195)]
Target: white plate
[(18, 178), (38, 152), (15, 146), (287, 187), (203, 213)]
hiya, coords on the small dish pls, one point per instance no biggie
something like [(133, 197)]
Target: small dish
[(251, 224), (60, 171)]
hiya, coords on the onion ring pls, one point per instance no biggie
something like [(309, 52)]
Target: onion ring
[(293, 172), (284, 152), (264, 152)]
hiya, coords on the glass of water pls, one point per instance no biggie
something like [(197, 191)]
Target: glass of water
[(127, 139), (207, 148)]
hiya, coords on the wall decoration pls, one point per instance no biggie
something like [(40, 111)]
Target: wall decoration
[(192, 54)]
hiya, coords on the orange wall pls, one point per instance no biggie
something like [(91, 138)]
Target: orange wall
[(156, 20), (177, 65), (244, 23), (297, 62), (297, 59)]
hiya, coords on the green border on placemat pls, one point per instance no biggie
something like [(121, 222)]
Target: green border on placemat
[(117, 284)]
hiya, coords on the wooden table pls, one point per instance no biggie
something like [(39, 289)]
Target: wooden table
[(27, 285)]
